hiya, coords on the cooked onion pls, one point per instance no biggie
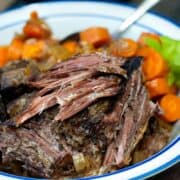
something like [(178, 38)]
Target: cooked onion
[(80, 162)]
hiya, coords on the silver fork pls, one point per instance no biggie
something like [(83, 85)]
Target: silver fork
[(137, 14)]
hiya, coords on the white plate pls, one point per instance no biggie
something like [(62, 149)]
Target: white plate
[(68, 17)]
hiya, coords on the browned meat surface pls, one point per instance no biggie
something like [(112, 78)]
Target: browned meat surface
[(14, 78), (3, 113), (74, 85), (19, 104), (36, 153), (105, 119), (17, 73), (42, 146), (72, 99)]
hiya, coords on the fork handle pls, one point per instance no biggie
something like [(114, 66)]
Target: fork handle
[(139, 12)]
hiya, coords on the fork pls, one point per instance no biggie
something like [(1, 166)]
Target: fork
[(137, 14)]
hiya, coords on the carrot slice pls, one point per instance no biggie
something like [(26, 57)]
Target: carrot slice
[(124, 47), (3, 55), (153, 66), (71, 46), (36, 27), (143, 51), (15, 49), (170, 105), (145, 35), (33, 50), (158, 87), (97, 36)]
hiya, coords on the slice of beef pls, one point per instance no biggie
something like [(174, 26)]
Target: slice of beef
[(68, 98), (46, 148), (80, 80), (36, 153), (86, 141), (131, 113)]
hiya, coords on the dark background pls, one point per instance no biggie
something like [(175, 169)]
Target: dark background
[(168, 8), (171, 10)]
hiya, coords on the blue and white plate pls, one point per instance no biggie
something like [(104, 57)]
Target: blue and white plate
[(68, 17)]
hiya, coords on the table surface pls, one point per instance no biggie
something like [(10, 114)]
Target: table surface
[(170, 9)]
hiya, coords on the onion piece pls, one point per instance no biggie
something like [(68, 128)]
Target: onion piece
[(81, 163)]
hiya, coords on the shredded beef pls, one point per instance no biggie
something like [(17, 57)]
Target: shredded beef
[(83, 116)]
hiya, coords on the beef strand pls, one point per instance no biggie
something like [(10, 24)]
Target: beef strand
[(56, 91), (132, 112), (67, 98)]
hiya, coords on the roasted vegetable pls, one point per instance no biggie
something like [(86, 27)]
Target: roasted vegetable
[(158, 87), (36, 28), (154, 65), (80, 162), (15, 49), (97, 36), (123, 47), (34, 50), (144, 36), (71, 46), (3, 55), (170, 105)]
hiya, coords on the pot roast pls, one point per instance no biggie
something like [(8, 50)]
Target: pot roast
[(84, 116)]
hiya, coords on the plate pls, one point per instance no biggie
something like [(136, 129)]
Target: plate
[(67, 17)]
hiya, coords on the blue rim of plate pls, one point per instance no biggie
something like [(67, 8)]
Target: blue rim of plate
[(83, 15), (147, 174)]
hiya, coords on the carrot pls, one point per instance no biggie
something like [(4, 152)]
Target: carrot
[(158, 87), (153, 65), (71, 46), (3, 55), (143, 51), (124, 47), (15, 49), (33, 50), (144, 35), (97, 36), (36, 28), (170, 105)]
